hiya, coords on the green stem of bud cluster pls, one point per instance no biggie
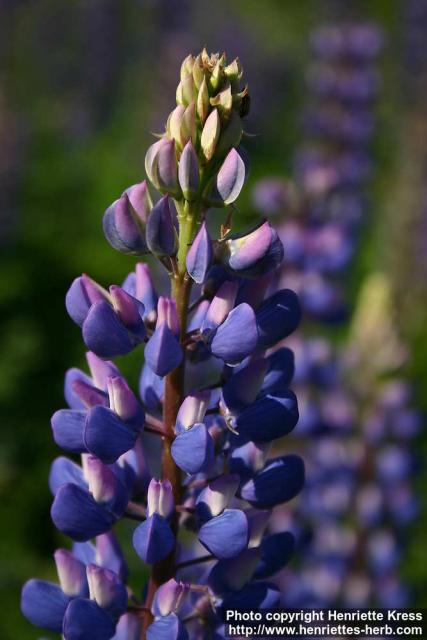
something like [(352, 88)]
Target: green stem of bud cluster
[(188, 219)]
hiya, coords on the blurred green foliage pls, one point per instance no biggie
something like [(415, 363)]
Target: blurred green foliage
[(85, 83)]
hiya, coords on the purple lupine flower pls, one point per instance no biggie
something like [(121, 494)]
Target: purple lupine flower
[(163, 352), (87, 603), (106, 423), (125, 220), (215, 479), (254, 253), (111, 321)]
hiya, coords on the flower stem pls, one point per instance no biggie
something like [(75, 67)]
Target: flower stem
[(174, 390)]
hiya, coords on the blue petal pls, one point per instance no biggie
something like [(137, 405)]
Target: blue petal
[(153, 539), (276, 551), (73, 400), (107, 436), (243, 386), (160, 230), (109, 554), (68, 430), (237, 336), (200, 255), (104, 334), (151, 388), (260, 595), (269, 418), (231, 177), (265, 264), (167, 628), (63, 471), (163, 352), (277, 317), (75, 513), (44, 604), (85, 552), (123, 229), (281, 368), (280, 480), (85, 620), (77, 302), (193, 450), (226, 535)]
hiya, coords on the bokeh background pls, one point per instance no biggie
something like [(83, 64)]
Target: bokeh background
[(82, 86)]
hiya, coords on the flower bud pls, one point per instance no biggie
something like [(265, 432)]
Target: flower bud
[(255, 253), (185, 93), (140, 199), (160, 498), (229, 181), (234, 73), (174, 127), (102, 481), (198, 72), (169, 597), (106, 588), (200, 256), (124, 230), (221, 305), (203, 102), (82, 294), (210, 135), (123, 401), (151, 158), (192, 410), (188, 172), (189, 127), (161, 166), (187, 66), (167, 314), (215, 78), (161, 232), (71, 573), (224, 102), (163, 352), (128, 309)]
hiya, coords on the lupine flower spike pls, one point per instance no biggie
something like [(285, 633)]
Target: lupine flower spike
[(203, 508)]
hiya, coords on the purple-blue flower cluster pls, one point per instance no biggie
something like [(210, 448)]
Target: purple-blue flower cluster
[(203, 500)]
